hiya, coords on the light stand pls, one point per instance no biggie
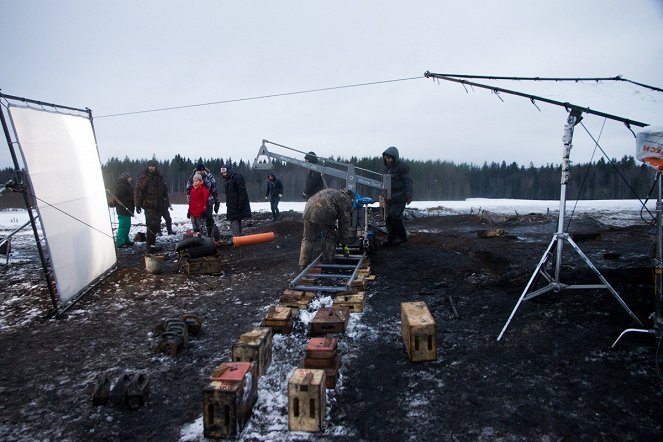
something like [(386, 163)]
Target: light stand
[(554, 283), (657, 331)]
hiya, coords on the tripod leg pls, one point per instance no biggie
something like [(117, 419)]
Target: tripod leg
[(603, 280), (534, 276)]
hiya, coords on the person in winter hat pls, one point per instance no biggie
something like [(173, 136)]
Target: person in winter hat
[(314, 182), (327, 215), (198, 201), (275, 189), (237, 199), (124, 206), (401, 194), (149, 195), (210, 183), (165, 214)]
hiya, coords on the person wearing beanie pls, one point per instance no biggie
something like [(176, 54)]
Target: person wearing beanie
[(275, 189), (124, 206), (237, 199), (314, 182), (149, 196), (198, 201), (213, 200)]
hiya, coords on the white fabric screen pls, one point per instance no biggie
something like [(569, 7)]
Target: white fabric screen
[(60, 155)]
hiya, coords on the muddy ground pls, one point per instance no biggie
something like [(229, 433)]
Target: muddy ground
[(553, 376)]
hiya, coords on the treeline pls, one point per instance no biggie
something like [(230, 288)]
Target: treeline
[(433, 180)]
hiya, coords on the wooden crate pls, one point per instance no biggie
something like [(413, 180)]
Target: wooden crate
[(204, 265), (418, 328), (296, 299), (354, 302), (306, 400), (254, 346), (330, 320), (229, 398), (321, 348), (280, 319)]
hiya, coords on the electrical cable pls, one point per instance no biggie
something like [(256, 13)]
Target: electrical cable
[(584, 179), (612, 163), (260, 97)]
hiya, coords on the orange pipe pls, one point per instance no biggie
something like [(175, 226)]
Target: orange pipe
[(249, 240)]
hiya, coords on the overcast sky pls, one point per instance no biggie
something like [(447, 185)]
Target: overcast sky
[(126, 56)]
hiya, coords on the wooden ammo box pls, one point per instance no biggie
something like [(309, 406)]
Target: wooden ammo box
[(254, 346), (355, 303), (204, 265), (296, 298), (280, 319), (418, 327), (229, 398), (322, 353), (330, 320), (306, 400)]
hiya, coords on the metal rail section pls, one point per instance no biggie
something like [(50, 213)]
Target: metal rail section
[(338, 277)]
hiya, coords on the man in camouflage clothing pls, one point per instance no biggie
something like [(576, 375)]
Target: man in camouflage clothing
[(321, 214), (149, 195)]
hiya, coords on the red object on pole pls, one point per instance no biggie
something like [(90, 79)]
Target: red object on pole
[(249, 240)]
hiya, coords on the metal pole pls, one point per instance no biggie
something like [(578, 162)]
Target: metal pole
[(658, 292), (567, 139)]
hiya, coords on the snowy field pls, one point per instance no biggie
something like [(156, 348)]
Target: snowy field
[(617, 212)]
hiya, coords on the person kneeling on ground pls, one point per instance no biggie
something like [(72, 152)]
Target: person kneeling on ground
[(321, 214)]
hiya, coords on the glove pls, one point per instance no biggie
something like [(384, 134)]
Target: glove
[(346, 250), (216, 207), (170, 208), (280, 195), (188, 214), (138, 209)]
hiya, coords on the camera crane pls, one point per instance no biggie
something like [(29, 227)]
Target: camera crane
[(361, 232)]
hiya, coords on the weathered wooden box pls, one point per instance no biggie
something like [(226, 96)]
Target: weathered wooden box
[(330, 320), (296, 298), (418, 327), (354, 302), (204, 265), (229, 398), (254, 346), (321, 348), (307, 397), (280, 319)]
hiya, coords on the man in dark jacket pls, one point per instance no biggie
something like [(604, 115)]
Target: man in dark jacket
[(321, 214), (275, 190), (237, 199), (149, 195), (213, 203), (165, 214), (401, 194), (124, 206), (314, 182)]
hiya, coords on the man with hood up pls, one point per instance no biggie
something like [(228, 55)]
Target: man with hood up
[(237, 199), (275, 189), (401, 194), (149, 195), (314, 182)]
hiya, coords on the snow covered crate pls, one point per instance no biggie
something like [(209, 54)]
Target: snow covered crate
[(355, 303), (254, 346), (229, 398), (330, 320), (418, 327), (307, 397)]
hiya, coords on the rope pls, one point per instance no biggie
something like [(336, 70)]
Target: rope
[(612, 163), (259, 97)]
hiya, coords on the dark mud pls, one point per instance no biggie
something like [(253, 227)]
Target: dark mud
[(553, 376)]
